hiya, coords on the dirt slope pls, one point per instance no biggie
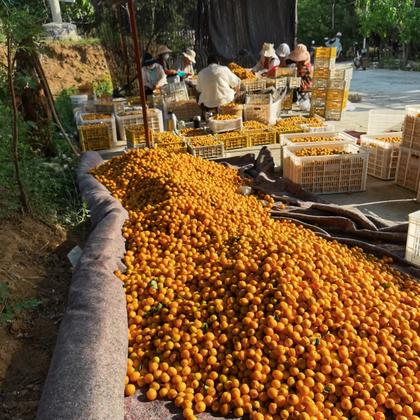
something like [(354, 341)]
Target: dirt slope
[(33, 268)]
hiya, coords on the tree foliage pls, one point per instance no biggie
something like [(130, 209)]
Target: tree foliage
[(324, 18), (392, 19)]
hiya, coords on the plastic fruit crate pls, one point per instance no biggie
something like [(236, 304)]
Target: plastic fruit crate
[(408, 169), (285, 71), (261, 137), (91, 119), (135, 117), (334, 138), (317, 109), (319, 93), (179, 146), (287, 102), (207, 152), (95, 136), (337, 99), (327, 174), (412, 248), (324, 62), (325, 52), (267, 114), (383, 120), (343, 72), (184, 110), (221, 126), (253, 85), (278, 83), (174, 92), (236, 140), (338, 84), (321, 73), (232, 109), (294, 82), (323, 126), (411, 132), (383, 156), (136, 138), (259, 99), (333, 114), (319, 84)]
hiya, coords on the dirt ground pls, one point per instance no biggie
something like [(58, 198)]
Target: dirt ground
[(69, 65), (35, 271)]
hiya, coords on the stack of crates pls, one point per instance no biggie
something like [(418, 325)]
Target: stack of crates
[(338, 92), (408, 168), (330, 86), (323, 66)]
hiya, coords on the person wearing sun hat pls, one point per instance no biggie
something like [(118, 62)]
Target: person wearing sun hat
[(268, 59), (163, 54), (301, 58), (188, 61)]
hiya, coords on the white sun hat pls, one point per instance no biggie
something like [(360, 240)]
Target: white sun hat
[(268, 50), (190, 54)]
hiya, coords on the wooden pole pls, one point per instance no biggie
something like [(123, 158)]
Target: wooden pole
[(137, 55), (296, 24)]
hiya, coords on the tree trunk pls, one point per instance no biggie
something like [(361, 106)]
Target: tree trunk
[(34, 104), (15, 131)]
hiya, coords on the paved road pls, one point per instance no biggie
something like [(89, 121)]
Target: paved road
[(380, 89)]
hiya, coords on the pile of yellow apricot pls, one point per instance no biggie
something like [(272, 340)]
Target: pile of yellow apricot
[(320, 151), (236, 313)]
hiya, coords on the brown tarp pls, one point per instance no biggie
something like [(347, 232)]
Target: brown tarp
[(86, 375)]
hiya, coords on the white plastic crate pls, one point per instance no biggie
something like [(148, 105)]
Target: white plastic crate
[(207, 152), (412, 248), (109, 122), (287, 139), (267, 114), (413, 109), (135, 117), (259, 99), (325, 127), (77, 100), (383, 120), (222, 126), (383, 156), (175, 92), (408, 169), (253, 85), (277, 83), (343, 72), (294, 82), (411, 130), (327, 174)]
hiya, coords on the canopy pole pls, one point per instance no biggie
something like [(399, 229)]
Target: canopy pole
[(296, 23), (137, 55)]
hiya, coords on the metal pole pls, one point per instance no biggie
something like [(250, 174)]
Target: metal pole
[(137, 55), (296, 23)]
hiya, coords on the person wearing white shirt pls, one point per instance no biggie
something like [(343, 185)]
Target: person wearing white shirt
[(268, 59), (217, 85), (154, 75)]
